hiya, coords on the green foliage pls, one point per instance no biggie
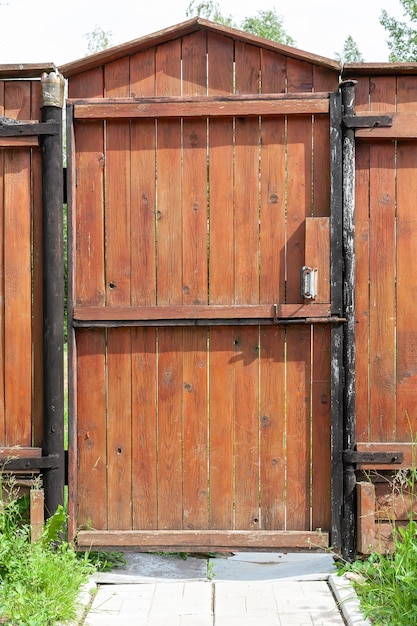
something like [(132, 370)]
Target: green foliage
[(402, 35), (386, 584), (98, 39), (39, 582), (350, 52), (105, 561), (266, 24), (209, 10)]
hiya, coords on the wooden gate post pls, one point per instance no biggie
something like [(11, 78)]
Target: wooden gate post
[(53, 290), (349, 422)]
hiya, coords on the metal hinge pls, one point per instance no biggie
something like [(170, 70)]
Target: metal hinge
[(354, 457), (367, 121), (30, 463)]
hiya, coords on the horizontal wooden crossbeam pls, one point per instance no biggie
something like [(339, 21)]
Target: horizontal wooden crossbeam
[(204, 540), (201, 106), (206, 314)]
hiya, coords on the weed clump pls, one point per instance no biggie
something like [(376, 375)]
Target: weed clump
[(39, 582), (386, 582)]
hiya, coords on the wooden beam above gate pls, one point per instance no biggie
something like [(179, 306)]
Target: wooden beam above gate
[(201, 106)]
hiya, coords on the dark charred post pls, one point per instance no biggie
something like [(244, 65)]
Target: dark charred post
[(349, 350), (336, 278), (53, 290)]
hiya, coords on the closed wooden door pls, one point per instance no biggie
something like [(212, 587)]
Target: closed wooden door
[(201, 387)]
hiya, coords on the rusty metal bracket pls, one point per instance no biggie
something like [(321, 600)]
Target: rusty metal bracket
[(29, 464), (367, 121), (353, 457)]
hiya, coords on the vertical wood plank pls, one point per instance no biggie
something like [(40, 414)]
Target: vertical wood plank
[(196, 450), (142, 74), (273, 72), (298, 429), (362, 290), (169, 213), (143, 212), (89, 232), (170, 428), (246, 341), (17, 276), (194, 64), (118, 292), (299, 76), (88, 84), (144, 429), (119, 429), (272, 428), (320, 429), (406, 426), (246, 366), (91, 428), (382, 292), (220, 53), (170, 282), (195, 289), (37, 315), (221, 284), (317, 254), (299, 160), (222, 407), (2, 294)]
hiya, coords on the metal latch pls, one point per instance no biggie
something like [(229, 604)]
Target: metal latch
[(309, 282)]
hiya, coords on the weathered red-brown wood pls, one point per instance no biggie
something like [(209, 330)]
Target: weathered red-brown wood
[(2, 378), (298, 341), (144, 429), (118, 292), (37, 313), (92, 501), (382, 292), (211, 226), (170, 424), (200, 107), (221, 273), (222, 409), (195, 429), (406, 365), (362, 274), (17, 276), (272, 428), (321, 429), (298, 429), (198, 541)]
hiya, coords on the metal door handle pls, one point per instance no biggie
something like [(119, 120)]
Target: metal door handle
[(309, 282)]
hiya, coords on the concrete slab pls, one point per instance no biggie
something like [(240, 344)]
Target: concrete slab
[(142, 568), (272, 566)]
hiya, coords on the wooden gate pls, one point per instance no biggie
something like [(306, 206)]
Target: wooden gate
[(200, 188)]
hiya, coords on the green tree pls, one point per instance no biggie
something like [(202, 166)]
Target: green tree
[(402, 35), (350, 52), (266, 24), (98, 39), (209, 10)]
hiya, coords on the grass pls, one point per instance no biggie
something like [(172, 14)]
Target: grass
[(386, 583), (39, 582)]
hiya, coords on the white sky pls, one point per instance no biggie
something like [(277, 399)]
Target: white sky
[(37, 31)]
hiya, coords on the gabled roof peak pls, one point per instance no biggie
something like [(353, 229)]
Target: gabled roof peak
[(186, 28)]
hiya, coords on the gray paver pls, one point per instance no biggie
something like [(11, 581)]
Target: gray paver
[(261, 595)]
